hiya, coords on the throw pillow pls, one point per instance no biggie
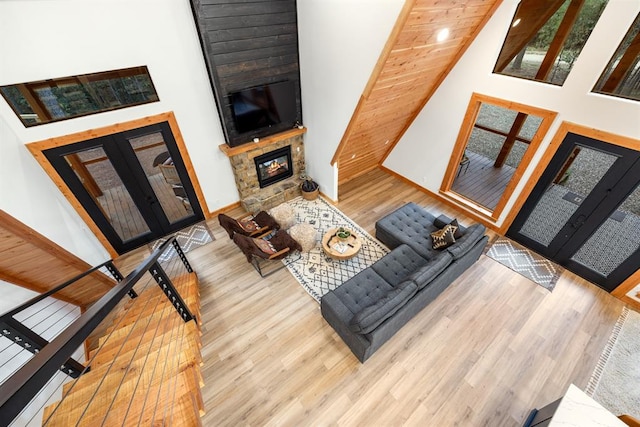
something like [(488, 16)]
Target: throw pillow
[(456, 232), (443, 238), (265, 246), (248, 224)]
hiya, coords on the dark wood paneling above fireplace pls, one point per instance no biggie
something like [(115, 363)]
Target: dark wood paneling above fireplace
[(247, 44)]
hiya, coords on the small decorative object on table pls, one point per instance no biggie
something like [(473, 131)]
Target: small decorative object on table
[(340, 248), (343, 234), (310, 189)]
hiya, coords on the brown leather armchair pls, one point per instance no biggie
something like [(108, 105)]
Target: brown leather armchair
[(248, 226), (274, 245)]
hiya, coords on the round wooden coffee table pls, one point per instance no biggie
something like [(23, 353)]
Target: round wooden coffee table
[(339, 249)]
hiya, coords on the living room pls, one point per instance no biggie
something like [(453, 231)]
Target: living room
[(338, 51)]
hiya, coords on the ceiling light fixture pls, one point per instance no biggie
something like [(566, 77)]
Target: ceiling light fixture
[(442, 35)]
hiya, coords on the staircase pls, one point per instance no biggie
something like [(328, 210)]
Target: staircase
[(145, 370)]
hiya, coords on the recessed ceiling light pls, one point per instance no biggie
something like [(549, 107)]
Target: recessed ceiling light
[(442, 35), (516, 22)]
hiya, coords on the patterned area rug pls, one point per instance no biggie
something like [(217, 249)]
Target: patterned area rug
[(190, 238), (615, 382), (525, 262), (316, 272)]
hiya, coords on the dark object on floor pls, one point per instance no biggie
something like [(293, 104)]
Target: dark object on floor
[(464, 163), (273, 246), (248, 226), (368, 309)]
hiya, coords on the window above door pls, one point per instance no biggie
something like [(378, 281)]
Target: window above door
[(51, 100)]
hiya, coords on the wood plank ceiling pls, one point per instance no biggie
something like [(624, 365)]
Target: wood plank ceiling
[(409, 70), (30, 260)]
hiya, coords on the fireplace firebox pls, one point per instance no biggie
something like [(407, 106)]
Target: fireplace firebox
[(274, 166)]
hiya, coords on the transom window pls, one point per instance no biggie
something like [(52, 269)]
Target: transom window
[(51, 100)]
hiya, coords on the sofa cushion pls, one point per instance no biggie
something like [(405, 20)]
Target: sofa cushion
[(471, 236), (424, 275), (411, 225), (369, 318), (395, 266), (362, 290)]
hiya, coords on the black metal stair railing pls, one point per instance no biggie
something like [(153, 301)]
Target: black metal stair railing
[(18, 333), (49, 357)]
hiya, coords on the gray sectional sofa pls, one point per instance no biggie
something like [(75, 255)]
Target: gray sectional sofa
[(368, 309)]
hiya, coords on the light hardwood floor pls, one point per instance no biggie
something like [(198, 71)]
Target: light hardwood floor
[(486, 351)]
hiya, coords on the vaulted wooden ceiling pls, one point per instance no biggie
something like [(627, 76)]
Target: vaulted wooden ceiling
[(409, 70)]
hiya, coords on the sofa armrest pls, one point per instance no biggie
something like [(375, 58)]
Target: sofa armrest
[(367, 319), (462, 245), (424, 275)]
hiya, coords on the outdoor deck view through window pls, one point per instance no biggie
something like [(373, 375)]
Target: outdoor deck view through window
[(51, 100), (495, 148), (546, 37)]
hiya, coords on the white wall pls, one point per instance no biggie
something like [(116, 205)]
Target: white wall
[(57, 38), (340, 43), (433, 134)]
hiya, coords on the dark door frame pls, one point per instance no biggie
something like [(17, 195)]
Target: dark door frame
[(37, 148), (126, 164), (614, 186)]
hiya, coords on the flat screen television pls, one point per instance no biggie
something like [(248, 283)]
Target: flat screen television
[(261, 107)]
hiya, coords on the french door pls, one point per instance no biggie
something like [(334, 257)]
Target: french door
[(584, 212), (133, 184)]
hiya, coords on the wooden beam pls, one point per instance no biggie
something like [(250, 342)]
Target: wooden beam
[(622, 68), (510, 141), (555, 47)]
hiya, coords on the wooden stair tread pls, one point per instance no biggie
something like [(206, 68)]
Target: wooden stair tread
[(190, 353), (144, 337), (161, 312), (133, 317), (133, 399), (153, 295), (127, 363)]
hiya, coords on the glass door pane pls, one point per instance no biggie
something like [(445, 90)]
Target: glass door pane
[(615, 240), (153, 155), (98, 176), (581, 172), (498, 141)]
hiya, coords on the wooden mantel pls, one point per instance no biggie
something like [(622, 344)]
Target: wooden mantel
[(263, 142)]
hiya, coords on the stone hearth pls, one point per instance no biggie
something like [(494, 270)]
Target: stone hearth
[(252, 197)]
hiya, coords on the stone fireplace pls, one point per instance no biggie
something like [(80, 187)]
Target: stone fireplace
[(246, 160)]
